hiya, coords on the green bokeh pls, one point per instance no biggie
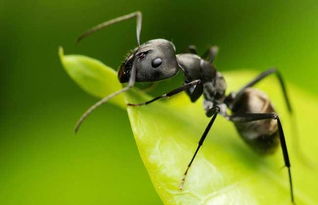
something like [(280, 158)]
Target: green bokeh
[(42, 161)]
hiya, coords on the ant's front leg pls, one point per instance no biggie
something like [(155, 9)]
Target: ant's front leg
[(169, 94)]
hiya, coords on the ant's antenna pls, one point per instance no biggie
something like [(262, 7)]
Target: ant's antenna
[(131, 83), (136, 14), (132, 78)]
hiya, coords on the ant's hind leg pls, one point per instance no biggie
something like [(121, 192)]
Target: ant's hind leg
[(249, 117), (261, 77)]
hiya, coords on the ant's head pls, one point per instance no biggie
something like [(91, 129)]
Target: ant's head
[(154, 60)]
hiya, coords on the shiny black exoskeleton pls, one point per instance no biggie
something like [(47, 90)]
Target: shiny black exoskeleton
[(248, 108)]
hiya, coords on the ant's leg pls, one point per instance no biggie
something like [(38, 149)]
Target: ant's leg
[(192, 49), (248, 117), (211, 53), (216, 110), (261, 77), (169, 94)]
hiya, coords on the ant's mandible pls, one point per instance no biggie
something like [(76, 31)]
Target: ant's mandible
[(251, 111)]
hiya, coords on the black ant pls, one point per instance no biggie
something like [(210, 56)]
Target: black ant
[(251, 111)]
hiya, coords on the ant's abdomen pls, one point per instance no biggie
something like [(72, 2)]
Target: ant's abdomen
[(261, 135)]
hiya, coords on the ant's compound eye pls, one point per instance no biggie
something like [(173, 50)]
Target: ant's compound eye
[(156, 62)]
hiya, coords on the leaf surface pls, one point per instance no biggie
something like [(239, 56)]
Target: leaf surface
[(226, 170)]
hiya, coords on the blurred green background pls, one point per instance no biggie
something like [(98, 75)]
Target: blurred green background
[(42, 161)]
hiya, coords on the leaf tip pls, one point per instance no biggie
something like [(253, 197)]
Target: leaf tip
[(61, 51), (61, 55)]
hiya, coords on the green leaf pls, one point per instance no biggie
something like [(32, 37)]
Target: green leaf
[(99, 80), (226, 170)]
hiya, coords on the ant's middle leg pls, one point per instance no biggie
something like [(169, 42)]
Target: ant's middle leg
[(192, 49), (211, 53), (215, 111), (169, 94)]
